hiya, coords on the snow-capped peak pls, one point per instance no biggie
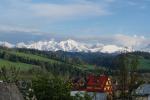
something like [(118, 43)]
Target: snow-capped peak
[(71, 45), (67, 45)]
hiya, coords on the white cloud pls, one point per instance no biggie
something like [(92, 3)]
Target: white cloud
[(17, 29), (53, 10), (33, 14), (41, 14), (138, 4), (130, 40), (134, 41), (68, 10)]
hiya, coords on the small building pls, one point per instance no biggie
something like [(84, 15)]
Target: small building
[(99, 84), (142, 92), (98, 87)]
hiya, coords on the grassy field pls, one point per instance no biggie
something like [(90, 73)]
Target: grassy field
[(144, 64), (22, 66), (31, 56), (26, 66), (40, 58)]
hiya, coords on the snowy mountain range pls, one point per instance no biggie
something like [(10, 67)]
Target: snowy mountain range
[(68, 45)]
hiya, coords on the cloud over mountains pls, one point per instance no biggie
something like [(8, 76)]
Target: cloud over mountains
[(109, 44), (88, 21), (9, 34)]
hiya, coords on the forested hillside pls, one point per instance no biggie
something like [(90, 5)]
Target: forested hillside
[(66, 63), (31, 61)]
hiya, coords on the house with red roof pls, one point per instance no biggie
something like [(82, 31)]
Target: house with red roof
[(99, 85)]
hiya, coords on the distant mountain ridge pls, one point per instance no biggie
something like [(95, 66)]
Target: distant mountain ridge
[(69, 46)]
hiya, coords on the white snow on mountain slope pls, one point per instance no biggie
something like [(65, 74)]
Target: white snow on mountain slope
[(71, 45), (67, 45), (40, 45), (21, 45), (6, 44)]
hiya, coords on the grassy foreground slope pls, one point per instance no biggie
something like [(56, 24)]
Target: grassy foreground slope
[(21, 66)]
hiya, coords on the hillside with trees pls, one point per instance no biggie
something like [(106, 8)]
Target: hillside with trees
[(67, 63), (47, 75)]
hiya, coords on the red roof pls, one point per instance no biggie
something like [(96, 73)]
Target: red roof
[(96, 83)]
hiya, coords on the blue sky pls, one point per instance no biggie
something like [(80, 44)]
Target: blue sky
[(33, 20)]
